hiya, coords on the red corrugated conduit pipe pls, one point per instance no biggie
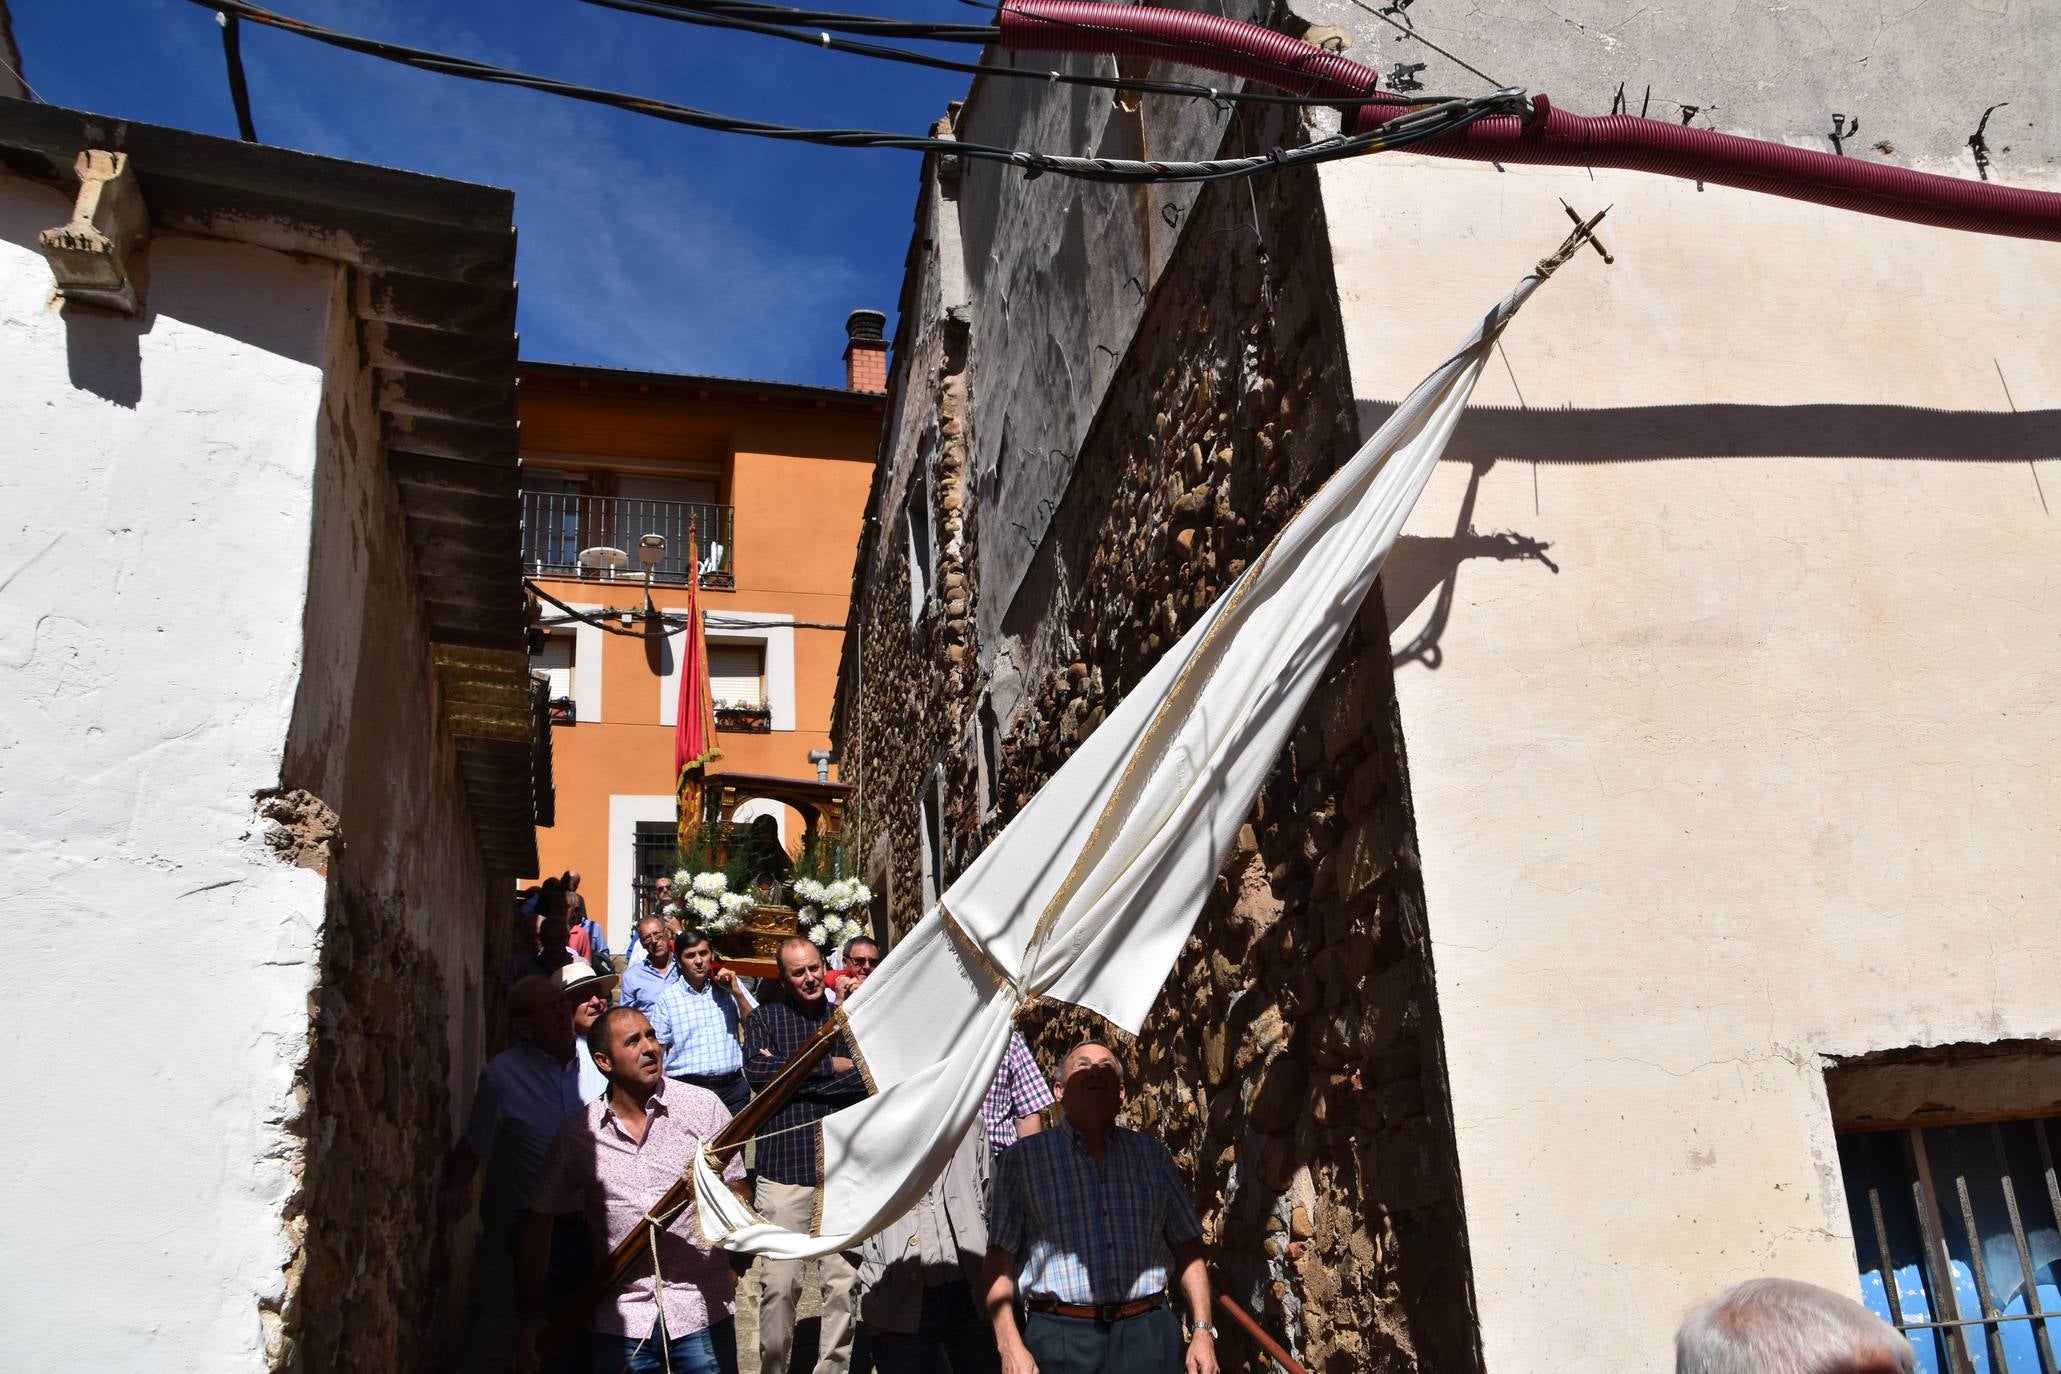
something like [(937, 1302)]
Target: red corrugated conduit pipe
[(1548, 137)]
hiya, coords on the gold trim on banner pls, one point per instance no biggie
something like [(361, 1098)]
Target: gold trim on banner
[(968, 945), (851, 1043)]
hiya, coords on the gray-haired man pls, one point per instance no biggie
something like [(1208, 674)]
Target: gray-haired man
[(1786, 1326)]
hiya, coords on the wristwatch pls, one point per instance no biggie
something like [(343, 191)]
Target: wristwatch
[(1210, 1327)]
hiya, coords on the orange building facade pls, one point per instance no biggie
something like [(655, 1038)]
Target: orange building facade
[(767, 482)]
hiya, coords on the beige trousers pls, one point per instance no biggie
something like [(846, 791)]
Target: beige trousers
[(793, 1206)]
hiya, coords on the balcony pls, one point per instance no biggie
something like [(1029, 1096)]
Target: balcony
[(557, 525)]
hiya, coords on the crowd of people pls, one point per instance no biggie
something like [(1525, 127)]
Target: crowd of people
[(1068, 1249)]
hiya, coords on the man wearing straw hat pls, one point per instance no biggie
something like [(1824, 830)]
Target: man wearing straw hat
[(586, 994)]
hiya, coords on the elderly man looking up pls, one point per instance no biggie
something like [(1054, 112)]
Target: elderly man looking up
[(1785, 1326), (586, 993), (645, 978), (1089, 1220), (786, 1161)]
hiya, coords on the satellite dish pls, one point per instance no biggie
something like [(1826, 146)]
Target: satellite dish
[(604, 558)]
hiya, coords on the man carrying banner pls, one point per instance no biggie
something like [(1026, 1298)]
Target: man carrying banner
[(789, 1170)]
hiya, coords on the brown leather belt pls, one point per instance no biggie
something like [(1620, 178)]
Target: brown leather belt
[(1104, 1312)]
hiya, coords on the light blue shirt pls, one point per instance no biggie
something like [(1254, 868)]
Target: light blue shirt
[(698, 1029), (590, 1082), (642, 984)]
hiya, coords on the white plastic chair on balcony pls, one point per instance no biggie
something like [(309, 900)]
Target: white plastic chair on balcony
[(604, 560)]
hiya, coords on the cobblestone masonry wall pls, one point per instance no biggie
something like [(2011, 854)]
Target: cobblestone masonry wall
[(412, 934), (1292, 1063)]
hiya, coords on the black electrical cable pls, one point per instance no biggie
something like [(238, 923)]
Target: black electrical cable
[(839, 21), (239, 90), (672, 620), (1420, 124), (778, 21)]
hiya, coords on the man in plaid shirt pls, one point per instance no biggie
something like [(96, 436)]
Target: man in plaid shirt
[(786, 1156), (1016, 1098), (1088, 1220)]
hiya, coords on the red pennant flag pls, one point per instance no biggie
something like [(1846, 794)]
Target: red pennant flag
[(694, 728)]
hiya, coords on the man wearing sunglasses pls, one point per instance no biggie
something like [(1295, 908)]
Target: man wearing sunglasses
[(861, 956)]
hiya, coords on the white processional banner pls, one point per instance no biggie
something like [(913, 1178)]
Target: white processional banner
[(1089, 894)]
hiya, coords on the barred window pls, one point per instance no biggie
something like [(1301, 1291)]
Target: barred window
[(1957, 1229)]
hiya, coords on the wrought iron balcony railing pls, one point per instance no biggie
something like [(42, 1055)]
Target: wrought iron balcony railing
[(556, 526)]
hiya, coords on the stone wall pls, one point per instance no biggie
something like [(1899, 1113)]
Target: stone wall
[(371, 797), (1292, 1063)]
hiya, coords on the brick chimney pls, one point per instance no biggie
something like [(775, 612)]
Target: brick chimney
[(865, 356)]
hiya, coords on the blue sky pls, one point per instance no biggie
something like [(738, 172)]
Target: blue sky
[(640, 244)]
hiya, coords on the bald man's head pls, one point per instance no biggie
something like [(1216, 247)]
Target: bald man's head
[(1091, 1087)]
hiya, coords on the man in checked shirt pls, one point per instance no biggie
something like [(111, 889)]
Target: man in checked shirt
[(1088, 1220), (786, 1159)]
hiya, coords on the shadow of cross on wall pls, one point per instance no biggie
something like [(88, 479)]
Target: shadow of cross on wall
[(1636, 434)]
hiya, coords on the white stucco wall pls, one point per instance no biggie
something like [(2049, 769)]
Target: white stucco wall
[(155, 481), (1761, 767)]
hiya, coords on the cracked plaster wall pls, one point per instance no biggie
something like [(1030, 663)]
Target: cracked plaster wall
[(1726, 668), (1048, 327), (157, 488)]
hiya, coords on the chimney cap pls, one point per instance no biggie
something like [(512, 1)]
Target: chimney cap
[(863, 326)]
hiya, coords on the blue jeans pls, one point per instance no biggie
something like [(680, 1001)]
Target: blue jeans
[(713, 1351)]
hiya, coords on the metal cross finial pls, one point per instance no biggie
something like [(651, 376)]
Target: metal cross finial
[(1580, 223)]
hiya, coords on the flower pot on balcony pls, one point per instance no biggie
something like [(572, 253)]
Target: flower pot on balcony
[(750, 720)]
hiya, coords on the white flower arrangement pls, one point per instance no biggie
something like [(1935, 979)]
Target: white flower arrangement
[(705, 900)]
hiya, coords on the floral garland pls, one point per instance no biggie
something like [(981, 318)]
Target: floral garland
[(705, 900), (829, 913), (826, 909)]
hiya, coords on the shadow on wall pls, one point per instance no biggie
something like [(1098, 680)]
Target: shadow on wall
[(1421, 566), (216, 287)]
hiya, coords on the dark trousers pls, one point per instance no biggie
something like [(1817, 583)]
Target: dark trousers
[(571, 1262), (731, 1088), (950, 1326), (1147, 1344)]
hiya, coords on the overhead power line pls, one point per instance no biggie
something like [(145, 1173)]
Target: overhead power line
[(1419, 124), (812, 29)]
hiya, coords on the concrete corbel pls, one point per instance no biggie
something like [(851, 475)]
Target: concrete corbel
[(89, 256)]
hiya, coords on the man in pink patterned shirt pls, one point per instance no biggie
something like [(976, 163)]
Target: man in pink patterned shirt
[(620, 1155)]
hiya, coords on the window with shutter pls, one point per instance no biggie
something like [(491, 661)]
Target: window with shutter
[(737, 674), (557, 662)]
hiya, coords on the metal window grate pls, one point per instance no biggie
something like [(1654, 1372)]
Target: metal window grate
[(557, 525), (655, 843), (1958, 1234)]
